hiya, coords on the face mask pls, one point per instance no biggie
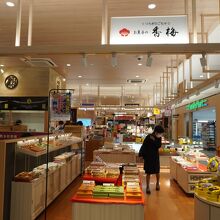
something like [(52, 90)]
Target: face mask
[(159, 135)]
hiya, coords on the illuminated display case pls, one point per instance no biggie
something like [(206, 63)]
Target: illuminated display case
[(25, 172)]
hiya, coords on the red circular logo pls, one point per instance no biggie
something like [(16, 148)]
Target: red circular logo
[(124, 32)]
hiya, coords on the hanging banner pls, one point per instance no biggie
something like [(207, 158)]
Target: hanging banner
[(60, 106), (149, 30), (167, 112)]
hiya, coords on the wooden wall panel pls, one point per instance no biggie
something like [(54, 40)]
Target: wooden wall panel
[(31, 82), (213, 101)]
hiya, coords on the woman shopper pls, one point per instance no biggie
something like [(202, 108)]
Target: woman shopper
[(150, 153)]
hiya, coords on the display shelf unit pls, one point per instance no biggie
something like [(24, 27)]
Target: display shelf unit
[(115, 156), (204, 209), (51, 149), (14, 161), (28, 199), (186, 179)]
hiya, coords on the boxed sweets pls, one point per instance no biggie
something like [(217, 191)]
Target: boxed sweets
[(129, 170), (112, 172), (130, 178), (86, 189), (108, 191), (26, 177), (100, 173), (133, 191)]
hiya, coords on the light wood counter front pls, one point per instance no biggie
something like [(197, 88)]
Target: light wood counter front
[(206, 210)]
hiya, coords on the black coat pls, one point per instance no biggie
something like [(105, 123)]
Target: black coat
[(150, 152)]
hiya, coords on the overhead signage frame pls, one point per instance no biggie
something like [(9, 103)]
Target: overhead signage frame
[(149, 30)]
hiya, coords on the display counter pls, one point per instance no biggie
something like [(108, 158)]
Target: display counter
[(108, 209), (22, 188), (100, 199), (205, 209), (115, 156), (187, 174)]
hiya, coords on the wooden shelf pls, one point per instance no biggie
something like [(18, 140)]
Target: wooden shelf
[(28, 198), (51, 149)]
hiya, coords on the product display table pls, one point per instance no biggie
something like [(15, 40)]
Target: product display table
[(100, 179), (187, 178), (115, 156), (107, 209), (206, 210)]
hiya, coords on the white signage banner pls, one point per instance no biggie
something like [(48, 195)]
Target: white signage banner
[(149, 30)]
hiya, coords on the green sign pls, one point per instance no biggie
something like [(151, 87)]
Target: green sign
[(198, 104)]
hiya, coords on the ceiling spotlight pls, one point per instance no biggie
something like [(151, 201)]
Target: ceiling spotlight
[(87, 84), (79, 76), (84, 60), (2, 71), (201, 76), (140, 64), (114, 60), (64, 80), (10, 4), (149, 60), (137, 76), (203, 60), (2, 65), (152, 6), (68, 64)]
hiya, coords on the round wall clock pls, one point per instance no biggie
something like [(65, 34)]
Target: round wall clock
[(11, 81)]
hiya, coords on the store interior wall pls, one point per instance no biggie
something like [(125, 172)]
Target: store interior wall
[(35, 124), (213, 102), (31, 82)]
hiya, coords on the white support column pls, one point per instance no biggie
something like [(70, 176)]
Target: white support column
[(194, 23), (30, 23), (18, 24), (104, 22)]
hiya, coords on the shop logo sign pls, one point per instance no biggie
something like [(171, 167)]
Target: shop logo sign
[(149, 30), (196, 105), (124, 32)]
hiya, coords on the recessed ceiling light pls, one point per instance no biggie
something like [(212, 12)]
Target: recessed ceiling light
[(87, 84), (79, 76), (64, 80), (68, 64), (137, 76), (10, 4), (152, 6), (140, 64), (201, 76), (2, 65)]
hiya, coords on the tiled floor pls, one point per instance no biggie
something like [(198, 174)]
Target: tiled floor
[(170, 203)]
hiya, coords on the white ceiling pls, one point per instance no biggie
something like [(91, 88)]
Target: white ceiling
[(77, 22)]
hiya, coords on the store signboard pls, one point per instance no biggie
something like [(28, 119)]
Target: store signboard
[(60, 106), (196, 105), (156, 111), (24, 103), (149, 30)]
